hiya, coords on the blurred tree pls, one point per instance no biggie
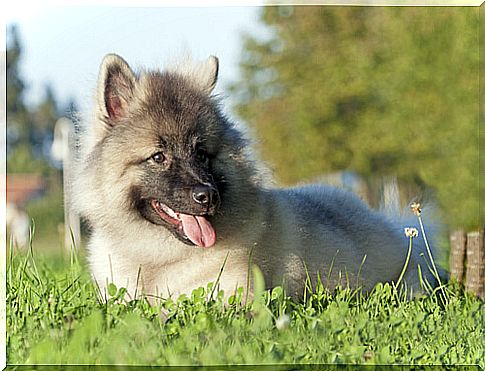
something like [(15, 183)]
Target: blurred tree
[(71, 111), (17, 115), (29, 128), (29, 139), (380, 91), (482, 118), (44, 117)]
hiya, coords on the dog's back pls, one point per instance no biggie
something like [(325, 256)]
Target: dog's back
[(322, 230)]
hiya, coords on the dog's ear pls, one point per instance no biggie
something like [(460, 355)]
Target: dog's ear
[(209, 73), (116, 84), (202, 75)]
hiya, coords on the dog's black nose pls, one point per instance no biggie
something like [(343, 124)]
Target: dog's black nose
[(204, 195)]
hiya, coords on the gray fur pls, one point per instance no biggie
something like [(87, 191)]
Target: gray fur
[(288, 231)]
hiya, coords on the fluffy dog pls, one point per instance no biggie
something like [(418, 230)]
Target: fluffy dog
[(164, 180)]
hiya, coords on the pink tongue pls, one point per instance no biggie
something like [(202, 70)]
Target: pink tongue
[(198, 230)]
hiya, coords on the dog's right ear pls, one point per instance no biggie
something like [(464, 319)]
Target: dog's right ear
[(116, 84)]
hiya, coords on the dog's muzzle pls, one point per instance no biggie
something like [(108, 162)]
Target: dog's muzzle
[(206, 196)]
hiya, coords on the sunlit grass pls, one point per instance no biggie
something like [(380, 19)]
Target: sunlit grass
[(54, 317)]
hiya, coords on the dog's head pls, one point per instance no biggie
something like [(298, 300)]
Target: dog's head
[(161, 144)]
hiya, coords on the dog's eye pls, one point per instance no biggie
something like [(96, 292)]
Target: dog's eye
[(158, 157), (202, 155)]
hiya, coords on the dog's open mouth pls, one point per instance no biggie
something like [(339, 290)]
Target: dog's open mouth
[(196, 228)]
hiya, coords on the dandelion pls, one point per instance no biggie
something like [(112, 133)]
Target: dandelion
[(411, 232), (416, 208)]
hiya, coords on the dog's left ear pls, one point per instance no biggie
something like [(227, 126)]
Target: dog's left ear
[(204, 74), (207, 74)]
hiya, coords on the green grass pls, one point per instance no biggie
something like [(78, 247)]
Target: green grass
[(54, 317)]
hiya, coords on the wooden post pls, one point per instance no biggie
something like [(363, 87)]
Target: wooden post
[(475, 268), (457, 255)]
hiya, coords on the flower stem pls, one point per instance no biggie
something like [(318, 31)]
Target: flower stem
[(435, 271), (406, 262)]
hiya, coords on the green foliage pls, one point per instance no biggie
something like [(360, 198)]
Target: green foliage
[(30, 129), (378, 90), (53, 317), (47, 213), (17, 113), (29, 137), (22, 160), (482, 116), (15, 85)]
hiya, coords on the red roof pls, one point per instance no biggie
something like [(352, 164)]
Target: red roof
[(21, 187)]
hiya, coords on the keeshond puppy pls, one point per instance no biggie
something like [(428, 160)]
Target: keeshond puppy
[(165, 182)]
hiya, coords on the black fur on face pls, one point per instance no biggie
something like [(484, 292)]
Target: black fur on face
[(175, 182), (173, 188), (176, 134)]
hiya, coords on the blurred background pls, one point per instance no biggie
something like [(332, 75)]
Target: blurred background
[(376, 99)]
